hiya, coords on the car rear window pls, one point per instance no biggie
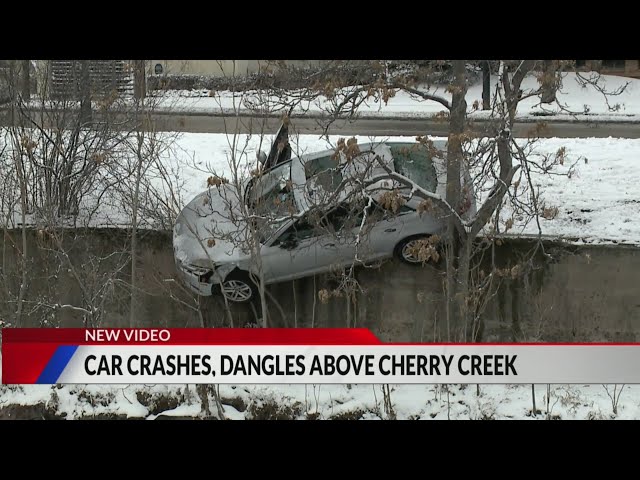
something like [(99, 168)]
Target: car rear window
[(414, 162)]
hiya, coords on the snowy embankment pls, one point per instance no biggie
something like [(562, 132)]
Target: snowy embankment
[(596, 191), (582, 103), (422, 402)]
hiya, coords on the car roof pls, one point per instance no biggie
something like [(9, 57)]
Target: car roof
[(330, 151)]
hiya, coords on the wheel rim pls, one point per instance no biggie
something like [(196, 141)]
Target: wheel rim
[(406, 252), (236, 290)]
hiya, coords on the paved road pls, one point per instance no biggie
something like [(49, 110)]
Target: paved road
[(211, 123), (379, 126)]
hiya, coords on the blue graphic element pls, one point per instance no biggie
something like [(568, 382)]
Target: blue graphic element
[(56, 365)]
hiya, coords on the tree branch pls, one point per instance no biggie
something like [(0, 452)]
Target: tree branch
[(425, 95), (421, 193)]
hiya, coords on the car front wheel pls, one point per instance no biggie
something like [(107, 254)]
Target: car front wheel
[(238, 287), (412, 250)]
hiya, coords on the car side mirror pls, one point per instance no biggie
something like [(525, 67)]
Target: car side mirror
[(289, 243)]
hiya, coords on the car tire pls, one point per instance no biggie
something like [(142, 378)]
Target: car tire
[(238, 287), (404, 256)]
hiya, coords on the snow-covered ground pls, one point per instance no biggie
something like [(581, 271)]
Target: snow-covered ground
[(582, 102), (597, 203), (422, 402)]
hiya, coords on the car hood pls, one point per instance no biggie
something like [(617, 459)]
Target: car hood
[(211, 228)]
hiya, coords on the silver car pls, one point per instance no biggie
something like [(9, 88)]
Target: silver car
[(308, 215)]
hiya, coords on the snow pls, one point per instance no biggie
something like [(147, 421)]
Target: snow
[(584, 103), (190, 410), (423, 402), (597, 203)]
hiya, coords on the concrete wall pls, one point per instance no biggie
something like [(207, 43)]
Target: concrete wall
[(589, 293)]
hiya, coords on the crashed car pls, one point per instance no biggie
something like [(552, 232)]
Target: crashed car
[(309, 215)]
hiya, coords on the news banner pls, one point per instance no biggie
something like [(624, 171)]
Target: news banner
[(291, 356)]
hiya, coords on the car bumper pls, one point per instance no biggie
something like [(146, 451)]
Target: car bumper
[(199, 280)]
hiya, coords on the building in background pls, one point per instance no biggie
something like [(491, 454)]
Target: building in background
[(104, 77), (65, 78), (625, 68)]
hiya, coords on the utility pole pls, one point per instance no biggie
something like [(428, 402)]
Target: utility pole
[(486, 85)]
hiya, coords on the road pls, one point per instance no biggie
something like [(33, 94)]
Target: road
[(201, 122), (207, 123)]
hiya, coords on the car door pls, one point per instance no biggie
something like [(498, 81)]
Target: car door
[(361, 231), (381, 231), (293, 253), (316, 243), (335, 247), (280, 151)]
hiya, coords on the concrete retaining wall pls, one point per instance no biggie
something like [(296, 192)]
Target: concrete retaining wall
[(587, 293)]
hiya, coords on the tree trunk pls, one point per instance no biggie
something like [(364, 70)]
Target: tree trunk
[(453, 196), (549, 85), (466, 309), (133, 318), (515, 312), (486, 85), (85, 92), (139, 82), (12, 88), (23, 255), (25, 83)]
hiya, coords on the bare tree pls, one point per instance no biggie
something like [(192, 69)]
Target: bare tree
[(549, 81), (224, 197), (25, 83), (502, 166), (76, 157), (486, 85), (614, 395), (141, 188)]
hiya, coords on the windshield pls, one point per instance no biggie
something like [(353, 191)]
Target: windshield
[(325, 172), (271, 201), (414, 161)]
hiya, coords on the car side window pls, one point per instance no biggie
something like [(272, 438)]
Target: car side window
[(345, 215), (377, 212), (302, 229), (315, 223), (350, 215), (336, 219)]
